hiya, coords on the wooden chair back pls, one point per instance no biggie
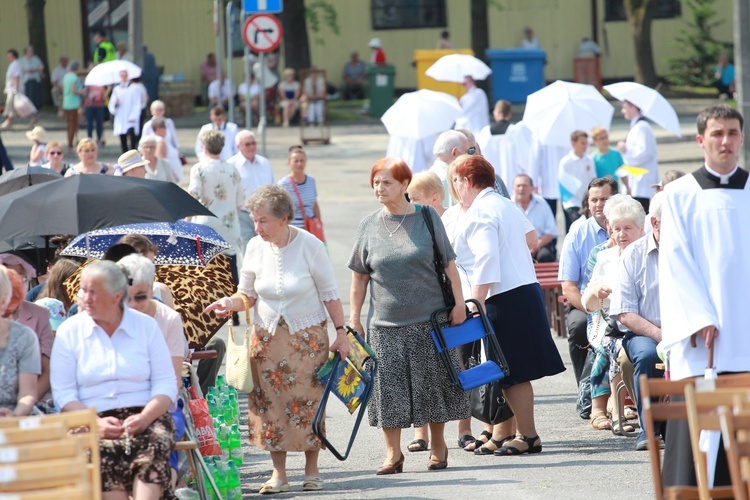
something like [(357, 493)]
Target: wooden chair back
[(663, 410), (703, 415), (77, 426), (735, 433), (43, 474)]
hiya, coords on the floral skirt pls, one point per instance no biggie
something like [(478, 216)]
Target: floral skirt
[(148, 460), (287, 390)]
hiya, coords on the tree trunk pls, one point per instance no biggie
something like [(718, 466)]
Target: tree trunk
[(480, 35), (38, 38), (639, 14), (296, 42)]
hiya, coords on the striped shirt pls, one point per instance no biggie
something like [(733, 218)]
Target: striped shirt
[(638, 277), (309, 194)]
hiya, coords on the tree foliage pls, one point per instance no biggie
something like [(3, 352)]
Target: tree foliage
[(320, 13), (698, 47)]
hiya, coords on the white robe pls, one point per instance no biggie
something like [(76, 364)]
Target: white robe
[(641, 151), (476, 111), (704, 277), (125, 106), (416, 153)]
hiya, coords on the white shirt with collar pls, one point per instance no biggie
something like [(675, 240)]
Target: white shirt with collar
[(127, 369), (221, 92), (254, 174), (540, 215), (574, 174), (641, 152), (491, 244), (229, 130)]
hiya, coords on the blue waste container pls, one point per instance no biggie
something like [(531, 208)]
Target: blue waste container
[(516, 73)]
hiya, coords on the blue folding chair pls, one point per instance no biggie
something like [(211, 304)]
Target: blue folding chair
[(476, 327)]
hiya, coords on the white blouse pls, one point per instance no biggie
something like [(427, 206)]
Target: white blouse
[(491, 244), (292, 282)]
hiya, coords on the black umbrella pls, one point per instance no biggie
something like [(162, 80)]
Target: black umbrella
[(25, 177), (83, 203)]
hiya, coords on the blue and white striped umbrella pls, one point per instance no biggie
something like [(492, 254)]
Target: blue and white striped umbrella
[(179, 242)]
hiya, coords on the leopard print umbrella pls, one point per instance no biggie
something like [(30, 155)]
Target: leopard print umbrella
[(194, 288)]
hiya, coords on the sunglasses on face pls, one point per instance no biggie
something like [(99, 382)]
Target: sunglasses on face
[(56, 153), (139, 297), (471, 150)]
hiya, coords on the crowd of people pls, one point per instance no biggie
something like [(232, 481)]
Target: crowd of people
[(488, 240)]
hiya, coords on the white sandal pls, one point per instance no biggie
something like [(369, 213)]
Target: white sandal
[(312, 483)]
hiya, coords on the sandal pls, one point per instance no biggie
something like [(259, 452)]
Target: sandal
[(630, 413), (312, 483), (617, 431), (274, 486), (484, 450), (479, 442), (512, 450), (600, 421), (465, 440), (417, 445)]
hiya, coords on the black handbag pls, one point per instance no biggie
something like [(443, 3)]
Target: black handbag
[(487, 401), (612, 330), (443, 280)]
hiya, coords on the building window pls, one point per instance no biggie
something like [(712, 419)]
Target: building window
[(614, 10), (406, 14)]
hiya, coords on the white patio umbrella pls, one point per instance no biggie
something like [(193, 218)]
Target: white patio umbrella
[(422, 113), (108, 73), (652, 104), (454, 67), (560, 108)]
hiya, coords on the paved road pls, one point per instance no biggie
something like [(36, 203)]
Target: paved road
[(577, 462)]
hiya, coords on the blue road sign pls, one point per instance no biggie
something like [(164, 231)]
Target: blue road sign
[(262, 6)]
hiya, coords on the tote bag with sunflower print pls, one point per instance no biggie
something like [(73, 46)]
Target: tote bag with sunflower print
[(351, 379)]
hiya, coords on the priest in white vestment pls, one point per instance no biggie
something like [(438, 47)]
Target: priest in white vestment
[(704, 276), (125, 106), (476, 108)]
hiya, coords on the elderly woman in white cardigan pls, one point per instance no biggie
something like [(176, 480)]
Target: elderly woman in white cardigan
[(288, 279)]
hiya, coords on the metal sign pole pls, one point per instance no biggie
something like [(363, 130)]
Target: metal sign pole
[(217, 32), (230, 53), (262, 121), (246, 64)]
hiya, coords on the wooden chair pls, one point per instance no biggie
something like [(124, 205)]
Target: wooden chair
[(665, 410), (703, 415), (735, 433), (42, 461), (79, 426)]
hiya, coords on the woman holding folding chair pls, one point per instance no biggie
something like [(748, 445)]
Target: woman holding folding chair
[(392, 257), (288, 279), (492, 246)]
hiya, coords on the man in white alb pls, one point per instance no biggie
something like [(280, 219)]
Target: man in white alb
[(255, 171), (476, 108), (639, 150), (704, 278)]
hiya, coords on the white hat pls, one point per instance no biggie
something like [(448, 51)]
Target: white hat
[(37, 134), (130, 160), (375, 43)]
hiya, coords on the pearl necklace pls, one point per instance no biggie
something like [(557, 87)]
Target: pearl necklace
[(391, 233)]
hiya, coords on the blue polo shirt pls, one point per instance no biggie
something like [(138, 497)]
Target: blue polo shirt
[(583, 236)]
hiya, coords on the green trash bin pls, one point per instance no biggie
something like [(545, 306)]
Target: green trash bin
[(380, 88)]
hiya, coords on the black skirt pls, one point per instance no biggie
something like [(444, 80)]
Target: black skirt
[(519, 318)]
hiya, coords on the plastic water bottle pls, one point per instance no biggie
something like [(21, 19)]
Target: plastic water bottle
[(212, 470), (235, 445), (233, 482), (224, 442), (221, 479), (221, 384), (234, 405)]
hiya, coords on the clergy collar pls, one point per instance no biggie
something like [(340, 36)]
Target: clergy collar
[(709, 179)]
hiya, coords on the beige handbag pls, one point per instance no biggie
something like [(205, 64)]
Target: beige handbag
[(239, 366)]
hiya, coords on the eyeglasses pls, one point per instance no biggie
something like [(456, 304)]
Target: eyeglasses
[(139, 297), (56, 153), (471, 150), (250, 143)]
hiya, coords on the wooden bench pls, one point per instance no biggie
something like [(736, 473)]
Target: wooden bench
[(546, 274)]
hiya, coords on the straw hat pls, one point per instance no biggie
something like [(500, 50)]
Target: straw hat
[(37, 134), (130, 160)]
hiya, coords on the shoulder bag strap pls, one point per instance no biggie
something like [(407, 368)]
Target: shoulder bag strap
[(428, 221), (299, 197)]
